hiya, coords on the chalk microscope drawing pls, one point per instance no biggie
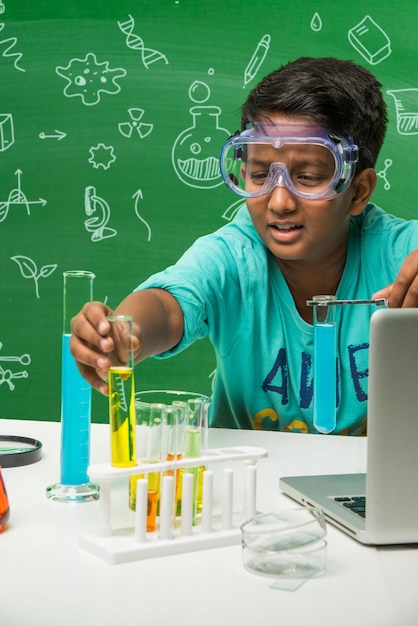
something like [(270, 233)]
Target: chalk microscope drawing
[(370, 40), (88, 79), (195, 152), (102, 156), (29, 269), (406, 106), (136, 43), (135, 126), (257, 59), (10, 42), (98, 212), (7, 375), (16, 198)]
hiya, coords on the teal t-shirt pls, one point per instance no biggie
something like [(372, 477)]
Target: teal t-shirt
[(231, 289)]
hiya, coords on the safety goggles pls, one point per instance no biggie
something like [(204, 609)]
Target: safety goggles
[(310, 161)]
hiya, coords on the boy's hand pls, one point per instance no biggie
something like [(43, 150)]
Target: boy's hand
[(90, 344), (404, 291)]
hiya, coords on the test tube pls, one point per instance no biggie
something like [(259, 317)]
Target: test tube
[(150, 425), (122, 393), (74, 485), (193, 444), (325, 364)]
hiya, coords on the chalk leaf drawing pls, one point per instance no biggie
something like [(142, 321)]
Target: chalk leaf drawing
[(29, 269)]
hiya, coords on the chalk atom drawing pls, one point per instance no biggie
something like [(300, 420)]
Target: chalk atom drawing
[(7, 375)]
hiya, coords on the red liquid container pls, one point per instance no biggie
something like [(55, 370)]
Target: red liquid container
[(4, 505)]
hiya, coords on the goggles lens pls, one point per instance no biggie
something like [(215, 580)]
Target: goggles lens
[(308, 160)]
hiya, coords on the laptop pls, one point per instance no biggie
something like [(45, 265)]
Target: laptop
[(381, 506)]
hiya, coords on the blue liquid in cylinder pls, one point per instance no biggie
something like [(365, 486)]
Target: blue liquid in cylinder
[(325, 377), (75, 420)]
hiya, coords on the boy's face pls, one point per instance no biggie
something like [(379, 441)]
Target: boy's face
[(296, 229)]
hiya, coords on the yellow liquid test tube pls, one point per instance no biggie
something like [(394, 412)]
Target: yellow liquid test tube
[(122, 393)]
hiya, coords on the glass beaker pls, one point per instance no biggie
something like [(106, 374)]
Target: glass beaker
[(74, 485), (325, 365)]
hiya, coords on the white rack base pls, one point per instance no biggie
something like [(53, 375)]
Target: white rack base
[(131, 544)]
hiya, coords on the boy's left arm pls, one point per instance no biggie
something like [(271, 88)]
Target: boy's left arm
[(403, 292)]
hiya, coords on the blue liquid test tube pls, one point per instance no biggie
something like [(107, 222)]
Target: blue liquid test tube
[(74, 485), (325, 365)]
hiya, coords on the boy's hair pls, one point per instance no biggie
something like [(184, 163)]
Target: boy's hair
[(339, 95)]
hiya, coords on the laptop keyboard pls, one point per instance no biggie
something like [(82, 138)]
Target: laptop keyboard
[(357, 504)]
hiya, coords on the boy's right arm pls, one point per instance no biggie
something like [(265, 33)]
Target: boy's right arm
[(158, 325)]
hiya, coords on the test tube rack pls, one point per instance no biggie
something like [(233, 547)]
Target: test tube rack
[(209, 529)]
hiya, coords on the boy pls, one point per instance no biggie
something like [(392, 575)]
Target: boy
[(310, 136)]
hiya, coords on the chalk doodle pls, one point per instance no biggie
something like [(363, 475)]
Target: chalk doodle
[(406, 106), (137, 197), (7, 53), (57, 134), (232, 210), (316, 23), (135, 125), (7, 133), (382, 174), (16, 198), (195, 152), (370, 40), (88, 79), (7, 375), (135, 42), (100, 210), (29, 269), (102, 156), (256, 59)]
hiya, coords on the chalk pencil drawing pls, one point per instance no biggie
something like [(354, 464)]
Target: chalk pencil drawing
[(257, 59)]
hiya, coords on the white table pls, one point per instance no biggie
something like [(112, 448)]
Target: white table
[(48, 580)]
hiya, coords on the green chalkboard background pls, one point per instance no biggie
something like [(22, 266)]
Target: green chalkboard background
[(111, 117)]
